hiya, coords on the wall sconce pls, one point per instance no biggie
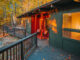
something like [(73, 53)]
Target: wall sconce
[(52, 6)]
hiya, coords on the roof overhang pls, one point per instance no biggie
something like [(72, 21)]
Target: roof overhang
[(47, 7)]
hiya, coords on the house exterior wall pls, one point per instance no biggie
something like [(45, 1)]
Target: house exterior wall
[(57, 40)]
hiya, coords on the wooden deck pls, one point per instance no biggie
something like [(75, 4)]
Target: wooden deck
[(46, 52)]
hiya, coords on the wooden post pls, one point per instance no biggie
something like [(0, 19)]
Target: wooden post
[(3, 31), (36, 41), (14, 31), (35, 23), (41, 22), (22, 51)]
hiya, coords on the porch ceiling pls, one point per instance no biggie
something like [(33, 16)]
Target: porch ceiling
[(47, 7)]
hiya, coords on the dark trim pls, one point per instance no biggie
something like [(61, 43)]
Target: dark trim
[(72, 30), (63, 38)]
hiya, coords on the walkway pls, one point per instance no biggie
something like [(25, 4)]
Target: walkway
[(46, 52)]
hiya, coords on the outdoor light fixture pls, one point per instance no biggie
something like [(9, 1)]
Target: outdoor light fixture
[(51, 5)]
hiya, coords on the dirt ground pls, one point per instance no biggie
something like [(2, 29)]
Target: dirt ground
[(7, 40)]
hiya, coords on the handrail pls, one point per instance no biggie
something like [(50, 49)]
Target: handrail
[(15, 43), (22, 43)]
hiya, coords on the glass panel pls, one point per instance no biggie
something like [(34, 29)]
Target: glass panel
[(75, 35), (77, 0), (71, 21), (67, 18), (67, 34)]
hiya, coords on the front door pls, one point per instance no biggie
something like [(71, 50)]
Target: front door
[(39, 22)]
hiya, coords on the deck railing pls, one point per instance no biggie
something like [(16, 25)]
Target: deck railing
[(15, 31), (19, 50)]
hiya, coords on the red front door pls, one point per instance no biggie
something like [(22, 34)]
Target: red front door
[(39, 22)]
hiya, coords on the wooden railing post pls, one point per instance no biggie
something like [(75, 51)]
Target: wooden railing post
[(3, 31), (25, 32), (14, 31), (36, 41), (22, 53)]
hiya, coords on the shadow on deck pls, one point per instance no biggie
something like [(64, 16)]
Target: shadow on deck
[(46, 52)]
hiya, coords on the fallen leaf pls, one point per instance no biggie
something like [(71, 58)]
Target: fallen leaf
[(43, 58)]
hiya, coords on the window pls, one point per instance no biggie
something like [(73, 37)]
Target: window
[(77, 0), (71, 25)]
